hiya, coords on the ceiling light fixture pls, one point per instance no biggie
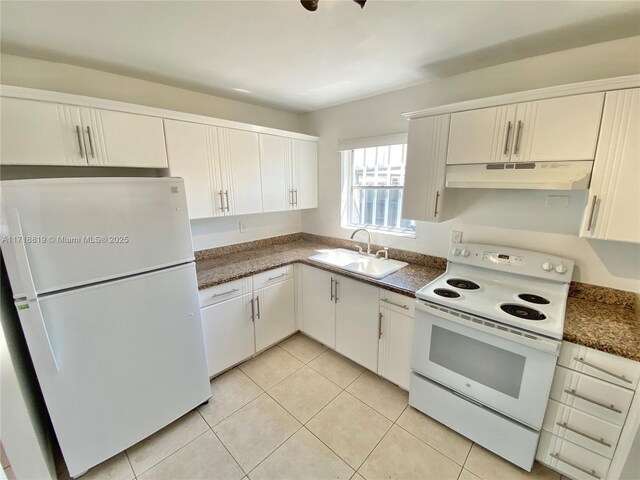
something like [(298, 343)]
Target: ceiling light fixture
[(312, 5)]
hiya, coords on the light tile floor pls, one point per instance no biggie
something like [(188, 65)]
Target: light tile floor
[(301, 411)]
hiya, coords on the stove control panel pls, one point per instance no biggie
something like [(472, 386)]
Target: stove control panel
[(507, 259)]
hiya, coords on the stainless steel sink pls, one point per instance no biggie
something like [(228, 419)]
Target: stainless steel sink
[(362, 264)]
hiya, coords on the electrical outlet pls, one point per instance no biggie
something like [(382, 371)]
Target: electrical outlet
[(243, 227), (456, 237)]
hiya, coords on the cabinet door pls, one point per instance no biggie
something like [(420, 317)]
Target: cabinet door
[(40, 133), (275, 313), (396, 338), (558, 129), (228, 333), (189, 155), (242, 158), (426, 167), (481, 136), (613, 212), (357, 322), (318, 306), (118, 139), (275, 172), (305, 154)]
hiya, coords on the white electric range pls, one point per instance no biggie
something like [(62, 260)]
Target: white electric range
[(486, 339)]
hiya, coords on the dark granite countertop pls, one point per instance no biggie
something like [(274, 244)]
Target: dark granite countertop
[(610, 328), (597, 317), (221, 269)]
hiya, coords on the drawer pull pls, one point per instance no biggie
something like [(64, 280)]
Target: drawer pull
[(610, 406), (395, 304), (276, 277), (224, 293), (604, 370), (574, 465), (584, 434)]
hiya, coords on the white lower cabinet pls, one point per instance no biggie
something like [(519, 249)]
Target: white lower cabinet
[(274, 310), (357, 321), (318, 305), (592, 416), (228, 333), (245, 316), (394, 346)]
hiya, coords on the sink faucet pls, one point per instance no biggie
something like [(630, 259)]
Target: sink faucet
[(368, 240)]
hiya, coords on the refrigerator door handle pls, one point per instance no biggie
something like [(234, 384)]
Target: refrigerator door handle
[(35, 331), (20, 250)]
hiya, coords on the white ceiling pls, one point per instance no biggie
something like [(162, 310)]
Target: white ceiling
[(289, 58)]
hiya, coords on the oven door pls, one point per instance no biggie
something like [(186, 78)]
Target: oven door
[(503, 368)]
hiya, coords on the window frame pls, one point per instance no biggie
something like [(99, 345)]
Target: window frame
[(348, 189)]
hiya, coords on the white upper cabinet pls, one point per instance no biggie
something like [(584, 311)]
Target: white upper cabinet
[(275, 168), (305, 174), (240, 158), (556, 129), (118, 139), (190, 156), (613, 211), (481, 136), (426, 167), (40, 133)]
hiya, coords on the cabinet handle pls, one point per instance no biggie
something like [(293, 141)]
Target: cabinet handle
[(380, 326), (574, 465), (80, 142), (336, 295), (584, 434), (604, 370), (258, 303), (224, 293), (221, 201), (253, 313), (610, 406), (516, 150), (226, 195), (332, 289), (506, 141), (593, 210), (295, 201), (276, 277), (395, 304), (93, 154), (435, 209), (291, 197)]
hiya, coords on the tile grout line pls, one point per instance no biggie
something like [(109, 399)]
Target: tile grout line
[(230, 454), (171, 454), (331, 450), (275, 449), (126, 454)]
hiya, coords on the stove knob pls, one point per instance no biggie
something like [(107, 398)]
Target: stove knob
[(547, 266), (455, 251), (465, 252), (561, 268)]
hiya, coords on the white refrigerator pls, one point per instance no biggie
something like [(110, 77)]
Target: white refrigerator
[(103, 277)]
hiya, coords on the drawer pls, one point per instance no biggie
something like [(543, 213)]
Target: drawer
[(580, 428), (398, 302), (270, 277), (224, 291), (571, 459), (614, 369), (597, 397)]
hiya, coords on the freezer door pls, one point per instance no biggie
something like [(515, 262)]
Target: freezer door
[(63, 233), (118, 361)]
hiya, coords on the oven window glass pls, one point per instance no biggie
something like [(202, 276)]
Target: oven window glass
[(491, 366)]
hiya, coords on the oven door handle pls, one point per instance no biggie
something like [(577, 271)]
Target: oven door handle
[(490, 327)]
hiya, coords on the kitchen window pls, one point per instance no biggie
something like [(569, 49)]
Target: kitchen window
[(373, 188)]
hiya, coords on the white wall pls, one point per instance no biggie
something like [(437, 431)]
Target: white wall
[(518, 219), (28, 72)]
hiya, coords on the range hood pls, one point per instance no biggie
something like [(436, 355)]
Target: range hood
[(573, 175)]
